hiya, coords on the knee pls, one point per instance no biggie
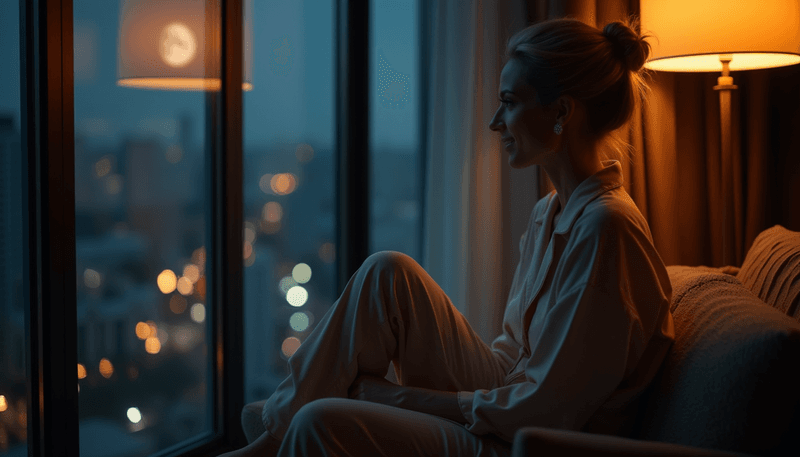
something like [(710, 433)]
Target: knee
[(319, 416), (390, 260)]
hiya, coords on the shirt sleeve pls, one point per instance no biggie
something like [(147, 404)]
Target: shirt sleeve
[(609, 296)]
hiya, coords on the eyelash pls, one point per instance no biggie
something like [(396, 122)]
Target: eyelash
[(507, 102)]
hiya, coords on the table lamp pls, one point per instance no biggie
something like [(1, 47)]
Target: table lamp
[(175, 45), (722, 35)]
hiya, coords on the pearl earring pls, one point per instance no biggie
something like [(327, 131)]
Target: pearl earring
[(558, 128)]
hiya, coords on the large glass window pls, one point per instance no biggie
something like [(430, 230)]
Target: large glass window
[(144, 372), (396, 176), (289, 192), (13, 396)]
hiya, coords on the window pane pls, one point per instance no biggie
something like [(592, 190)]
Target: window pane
[(396, 169), (289, 193), (13, 395), (144, 372)]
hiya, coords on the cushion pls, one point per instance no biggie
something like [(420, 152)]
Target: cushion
[(730, 378), (771, 269)]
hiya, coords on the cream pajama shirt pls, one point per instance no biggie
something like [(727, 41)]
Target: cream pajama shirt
[(585, 329)]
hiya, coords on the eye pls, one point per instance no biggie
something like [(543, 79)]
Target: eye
[(506, 102)]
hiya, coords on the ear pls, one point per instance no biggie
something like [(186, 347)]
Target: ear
[(565, 107)]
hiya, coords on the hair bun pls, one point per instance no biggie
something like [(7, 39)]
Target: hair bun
[(631, 48)]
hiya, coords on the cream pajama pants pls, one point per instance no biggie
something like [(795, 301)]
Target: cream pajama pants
[(390, 311)]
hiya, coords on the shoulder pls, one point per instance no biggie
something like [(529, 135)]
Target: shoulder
[(612, 215)]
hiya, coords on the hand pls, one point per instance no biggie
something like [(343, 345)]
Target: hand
[(376, 389)]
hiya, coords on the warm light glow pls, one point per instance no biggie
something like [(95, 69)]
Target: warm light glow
[(152, 345), (3, 403), (167, 281), (177, 304), (711, 62), (142, 330), (249, 232), (199, 256), (290, 346), (91, 278), (81, 371), (301, 273), (174, 46), (185, 286), (134, 415), (106, 368), (153, 328), (248, 250), (283, 183), (299, 322), (178, 45), (272, 212), (690, 35), (191, 272), (297, 296), (198, 312), (191, 84)]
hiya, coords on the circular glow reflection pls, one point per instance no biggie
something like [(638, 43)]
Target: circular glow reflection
[(134, 415), (299, 322), (297, 296), (178, 45), (301, 273)]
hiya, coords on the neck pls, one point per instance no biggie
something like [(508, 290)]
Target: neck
[(568, 170)]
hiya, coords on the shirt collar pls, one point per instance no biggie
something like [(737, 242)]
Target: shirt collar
[(607, 178)]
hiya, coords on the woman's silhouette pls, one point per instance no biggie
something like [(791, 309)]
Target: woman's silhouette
[(587, 321)]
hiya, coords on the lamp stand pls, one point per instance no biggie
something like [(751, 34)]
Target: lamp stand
[(725, 86)]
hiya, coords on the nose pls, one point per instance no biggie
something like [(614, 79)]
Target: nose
[(495, 124)]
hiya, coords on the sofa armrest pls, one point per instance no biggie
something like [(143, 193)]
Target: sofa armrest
[(537, 441)]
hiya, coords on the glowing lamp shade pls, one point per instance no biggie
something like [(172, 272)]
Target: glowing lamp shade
[(175, 45), (690, 35)]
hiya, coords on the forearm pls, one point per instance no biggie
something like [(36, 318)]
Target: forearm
[(435, 402)]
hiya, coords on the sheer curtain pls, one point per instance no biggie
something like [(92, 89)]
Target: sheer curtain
[(474, 203)]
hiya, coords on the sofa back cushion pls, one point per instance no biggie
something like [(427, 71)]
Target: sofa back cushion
[(771, 269), (730, 380)]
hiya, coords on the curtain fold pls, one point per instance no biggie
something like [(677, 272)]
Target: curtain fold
[(476, 207), (470, 219)]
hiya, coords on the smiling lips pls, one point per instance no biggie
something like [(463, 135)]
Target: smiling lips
[(508, 142)]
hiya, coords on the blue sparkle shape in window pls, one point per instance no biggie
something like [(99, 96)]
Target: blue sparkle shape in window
[(393, 86)]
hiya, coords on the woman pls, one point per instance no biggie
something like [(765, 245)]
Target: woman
[(587, 322)]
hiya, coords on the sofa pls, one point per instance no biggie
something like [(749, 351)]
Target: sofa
[(730, 384)]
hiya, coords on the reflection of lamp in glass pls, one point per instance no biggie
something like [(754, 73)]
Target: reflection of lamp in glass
[(175, 45), (712, 36)]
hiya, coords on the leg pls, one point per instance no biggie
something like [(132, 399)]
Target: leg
[(336, 426), (390, 310)]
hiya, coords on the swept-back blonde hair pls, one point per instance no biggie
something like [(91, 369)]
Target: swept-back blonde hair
[(603, 69)]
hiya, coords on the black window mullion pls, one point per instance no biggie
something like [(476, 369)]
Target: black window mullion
[(228, 232), (352, 137), (49, 229)]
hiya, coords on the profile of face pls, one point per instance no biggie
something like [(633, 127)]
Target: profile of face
[(525, 127)]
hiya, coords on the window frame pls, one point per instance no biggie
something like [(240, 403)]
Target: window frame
[(49, 268)]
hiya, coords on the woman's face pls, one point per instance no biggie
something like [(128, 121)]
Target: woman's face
[(526, 129)]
